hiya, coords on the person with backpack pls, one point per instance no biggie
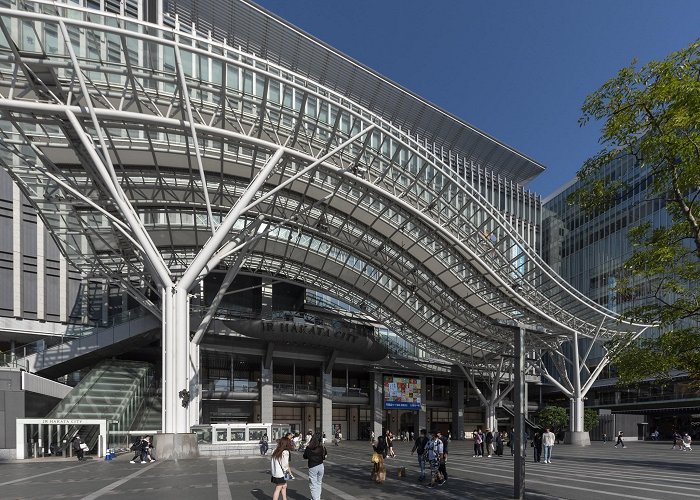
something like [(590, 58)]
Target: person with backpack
[(137, 448), (433, 452), (419, 448)]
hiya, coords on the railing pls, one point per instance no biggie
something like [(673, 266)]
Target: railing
[(350, 392), (294, 389), (13, 357), (249, 386)]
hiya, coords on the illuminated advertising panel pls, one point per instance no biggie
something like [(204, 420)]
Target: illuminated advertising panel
[(402, 393)]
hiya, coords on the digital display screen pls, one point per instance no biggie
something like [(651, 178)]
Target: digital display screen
[(402, 393)]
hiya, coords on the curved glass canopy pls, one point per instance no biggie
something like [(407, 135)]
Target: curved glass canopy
[(135, 141)]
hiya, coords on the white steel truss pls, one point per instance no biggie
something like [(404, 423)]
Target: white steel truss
[(151, 152)]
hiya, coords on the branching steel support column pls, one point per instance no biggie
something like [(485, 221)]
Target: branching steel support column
[(176, 325), (519, 466)]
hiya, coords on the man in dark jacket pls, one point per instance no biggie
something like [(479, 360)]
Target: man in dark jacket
[(489, 443), (78, 449), (419, 447)]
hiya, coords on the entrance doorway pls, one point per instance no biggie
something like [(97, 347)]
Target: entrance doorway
[(44, 437)]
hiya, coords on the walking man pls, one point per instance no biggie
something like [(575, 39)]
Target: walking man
[(548, 443), (619, 440), (419, 448)]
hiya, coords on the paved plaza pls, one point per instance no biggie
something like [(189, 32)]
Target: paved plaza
[(640, 471)]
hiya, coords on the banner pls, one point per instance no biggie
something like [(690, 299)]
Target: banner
[(402, 393)]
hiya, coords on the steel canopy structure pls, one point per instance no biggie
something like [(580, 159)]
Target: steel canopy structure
[(154, 157)]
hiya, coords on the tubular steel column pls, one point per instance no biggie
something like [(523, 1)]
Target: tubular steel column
[(519, 467)]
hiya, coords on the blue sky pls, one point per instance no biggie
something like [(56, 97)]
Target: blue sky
[(518, 70)]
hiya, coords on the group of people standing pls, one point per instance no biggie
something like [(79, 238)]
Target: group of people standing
[(488, 443)]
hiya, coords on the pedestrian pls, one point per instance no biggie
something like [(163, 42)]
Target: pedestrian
[(337, 438), (315, 453), (687, 441), (381, 446), (433, 453), (443, 459), (78, 448), (378, 467), (390, 444), (537, 446), (264, 444), (548, 439), (371, 436), (511, 441), (619, 440), (677, 440), (477, 442), (137, 448), (419, 449), (489, 443), (147, 454), (605, 438), (499, 444), (280, 470)]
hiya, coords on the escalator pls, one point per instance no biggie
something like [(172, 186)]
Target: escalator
[(114, 390)]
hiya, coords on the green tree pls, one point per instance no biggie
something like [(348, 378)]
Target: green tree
[(652, 115), (590, 419), (554, 417)]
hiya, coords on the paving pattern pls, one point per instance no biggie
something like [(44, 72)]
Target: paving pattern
[(644, 471)]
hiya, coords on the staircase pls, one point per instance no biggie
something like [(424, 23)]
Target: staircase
[(125, 332), (114, 390)]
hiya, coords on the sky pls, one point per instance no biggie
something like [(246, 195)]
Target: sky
[(518, 70)]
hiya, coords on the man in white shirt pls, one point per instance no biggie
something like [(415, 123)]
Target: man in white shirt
[(548, 439)]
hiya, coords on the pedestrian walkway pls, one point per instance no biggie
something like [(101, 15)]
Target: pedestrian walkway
[(644, 471)]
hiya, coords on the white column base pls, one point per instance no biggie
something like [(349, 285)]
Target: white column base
[(577, 438)]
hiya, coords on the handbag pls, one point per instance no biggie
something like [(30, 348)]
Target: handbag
[(288, 476), (376, 458)]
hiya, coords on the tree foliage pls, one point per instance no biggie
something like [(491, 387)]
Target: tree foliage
[(652, 115), (554, 417), (590, 419)]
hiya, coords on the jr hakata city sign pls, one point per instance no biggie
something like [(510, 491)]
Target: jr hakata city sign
[(304, 333)]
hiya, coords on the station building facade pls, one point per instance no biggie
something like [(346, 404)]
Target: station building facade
[(326, 303)]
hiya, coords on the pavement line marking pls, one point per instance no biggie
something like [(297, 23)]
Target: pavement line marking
[(116, 484), (224, 490), (39, 475), (328, 487)]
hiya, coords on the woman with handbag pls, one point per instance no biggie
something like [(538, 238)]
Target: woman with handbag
[(280, 470), (316, 453)]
